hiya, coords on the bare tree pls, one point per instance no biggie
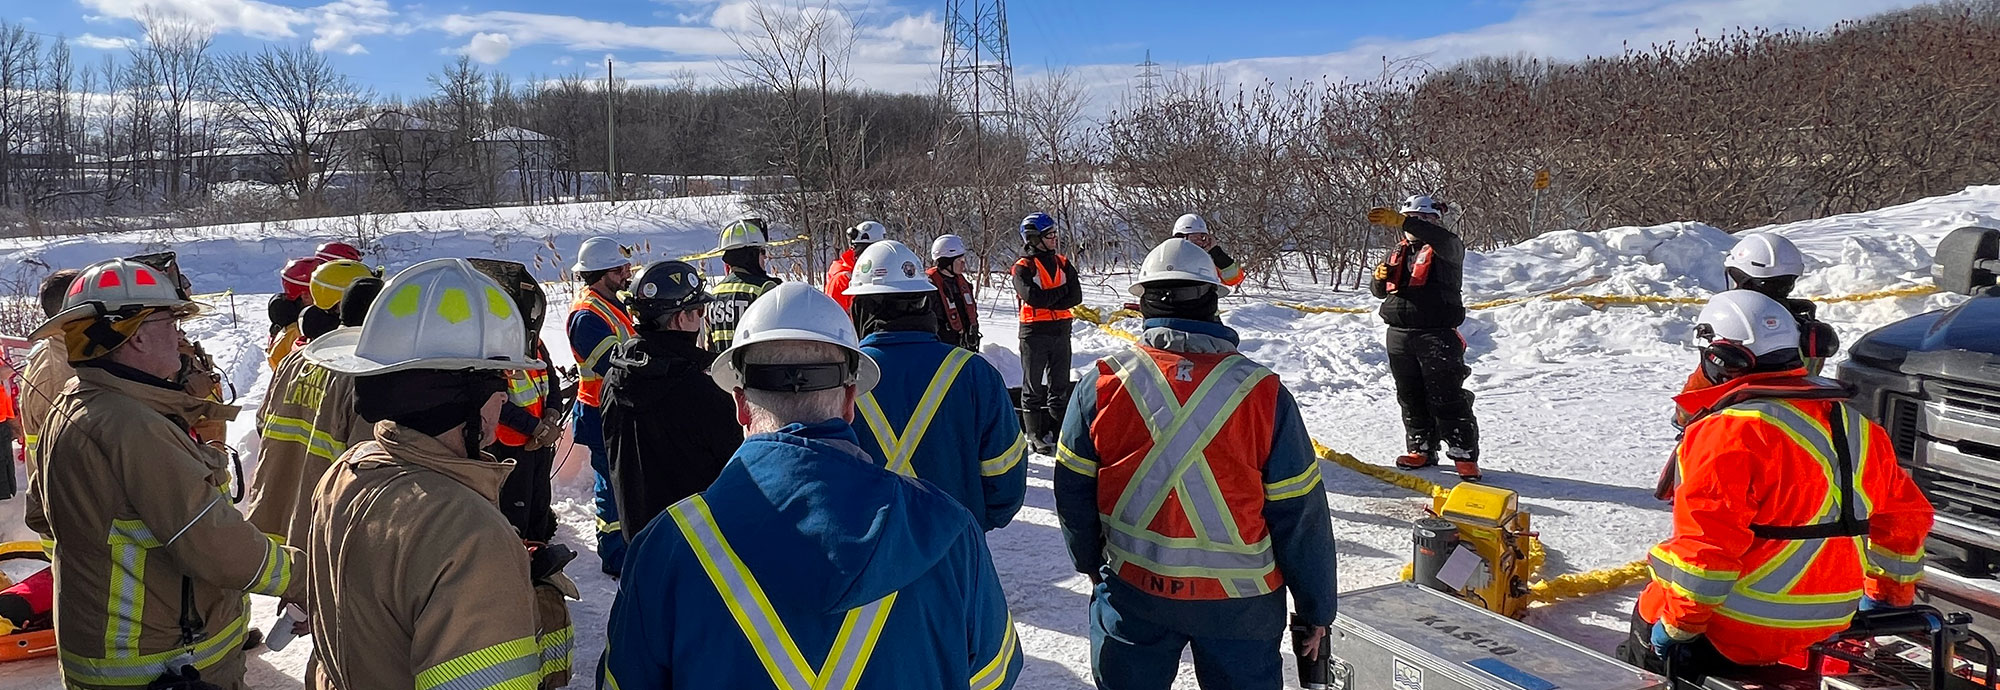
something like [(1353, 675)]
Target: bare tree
[(179, 87), (20, 55), (282, 100)]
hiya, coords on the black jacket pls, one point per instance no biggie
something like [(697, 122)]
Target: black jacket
[(1029, 289), (1439, 301), (667, 429)]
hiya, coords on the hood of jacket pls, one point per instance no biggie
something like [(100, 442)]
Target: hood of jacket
[(413, 447), (1188, 336), (1793, 384), (855, 531), (186, 410)]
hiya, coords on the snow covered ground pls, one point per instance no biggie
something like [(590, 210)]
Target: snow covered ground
[(1572, 399)]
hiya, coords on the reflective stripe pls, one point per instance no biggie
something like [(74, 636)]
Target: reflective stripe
[(1895, 566), (295, 430), (994, 674), (556, 648), (515, 664), (899, 448), (1796, 612), (609, 527), (275, 576), (621, 331), (1076, 463), (860, 631), (1177, 462), (1295, 487), (1814, 437), (129, 540), (737, 288), (140, 670), (1779, 574), (1007, 459), (1702, 586), (1046, 282)]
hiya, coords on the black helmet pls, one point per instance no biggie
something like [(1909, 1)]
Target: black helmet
[(666, 287)]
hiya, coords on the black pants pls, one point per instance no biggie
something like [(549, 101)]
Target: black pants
[(7, 488), (526, 498), (1429, 367), (1693, 660), (1045, 355)]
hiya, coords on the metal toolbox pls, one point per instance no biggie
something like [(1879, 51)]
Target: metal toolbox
[(1404, 637)]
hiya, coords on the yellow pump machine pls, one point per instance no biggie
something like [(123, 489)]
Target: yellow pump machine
[(1476, 547)]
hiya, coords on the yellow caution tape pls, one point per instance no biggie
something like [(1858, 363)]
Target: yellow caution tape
[(717, 252), (1602, 301)]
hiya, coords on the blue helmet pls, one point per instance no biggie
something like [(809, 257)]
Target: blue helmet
[(1035, 224)]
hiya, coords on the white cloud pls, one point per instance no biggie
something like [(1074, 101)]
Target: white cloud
[(563, 61), (577, 33), (336, 26), (97, 42), (488, 48)]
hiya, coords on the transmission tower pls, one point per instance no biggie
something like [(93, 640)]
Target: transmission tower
[(976, 73), (1149, 81)]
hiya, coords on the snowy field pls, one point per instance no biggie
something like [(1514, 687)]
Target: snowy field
[(1572, 400)]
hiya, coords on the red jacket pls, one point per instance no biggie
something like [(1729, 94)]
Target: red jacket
[(1762, 559), (837, 278)]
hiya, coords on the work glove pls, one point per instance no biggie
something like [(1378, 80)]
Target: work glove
[(547, 432), (1385, 217), (1666, 637), (1381, 271)]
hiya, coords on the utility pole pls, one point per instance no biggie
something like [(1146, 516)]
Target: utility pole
[(610, 134)]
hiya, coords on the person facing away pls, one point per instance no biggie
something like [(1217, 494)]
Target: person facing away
[(805, 564), (1423, 304), (940, 413), (841, 273), (1791, 512), (667, 427), (742, 246), (1189, 493)]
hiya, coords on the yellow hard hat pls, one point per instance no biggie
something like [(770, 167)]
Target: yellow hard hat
[(331, 279)]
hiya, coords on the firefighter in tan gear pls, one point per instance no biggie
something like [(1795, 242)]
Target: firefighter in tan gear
[(152, 563), (42, 380), (417, 579)]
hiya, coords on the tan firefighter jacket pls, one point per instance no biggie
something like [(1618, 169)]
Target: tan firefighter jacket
[(307, 422)]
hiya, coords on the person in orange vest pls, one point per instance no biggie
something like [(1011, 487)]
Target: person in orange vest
[(532, 421), (837, 278), (597, 325), (1192, 228), (1183, 414), (1790, 514), (1047, 286)]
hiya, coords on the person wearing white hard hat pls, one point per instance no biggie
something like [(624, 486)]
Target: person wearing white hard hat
[(138, 509), (957, 307), (417, 580), (1769, 264), (746, 279), (806, 564), (842, 272), (1423, 304), (1183, 413), (1193, 228), (598, 324), (940, 413), (1791, 512)]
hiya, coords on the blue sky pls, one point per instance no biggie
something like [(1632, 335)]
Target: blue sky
[(391, 45)]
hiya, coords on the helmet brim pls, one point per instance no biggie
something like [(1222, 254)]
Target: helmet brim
[(727, 378), (54, 325), (336, 352), (1138, 288), (901, 287)]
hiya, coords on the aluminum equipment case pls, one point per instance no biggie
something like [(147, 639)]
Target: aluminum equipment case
[(1402, 636)]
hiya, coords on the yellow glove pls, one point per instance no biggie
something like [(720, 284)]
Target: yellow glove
[(1381, 271), (1385, 217)]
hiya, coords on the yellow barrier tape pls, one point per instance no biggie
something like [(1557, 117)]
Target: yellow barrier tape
[(1602, 301), (717, 252), (1571, 586)]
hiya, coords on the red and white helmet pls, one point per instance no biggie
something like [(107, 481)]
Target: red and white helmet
[(116, 287), (335, 251)]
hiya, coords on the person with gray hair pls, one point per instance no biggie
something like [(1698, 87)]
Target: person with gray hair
[(812, 554)]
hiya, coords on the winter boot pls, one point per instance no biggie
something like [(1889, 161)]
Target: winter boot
[(1031, 427), (1467, 465), (1416, 460)]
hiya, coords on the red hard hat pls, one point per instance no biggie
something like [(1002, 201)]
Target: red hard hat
[(298, 276), (333, 251)]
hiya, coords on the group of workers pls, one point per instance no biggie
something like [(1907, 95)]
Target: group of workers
[(793, 487)]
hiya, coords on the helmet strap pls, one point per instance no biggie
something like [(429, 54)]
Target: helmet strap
[(797, 378)]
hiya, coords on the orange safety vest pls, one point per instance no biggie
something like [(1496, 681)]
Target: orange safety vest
[(590, 386), (1047, 282), (1182, 439), (524, 390), (1788, 512)]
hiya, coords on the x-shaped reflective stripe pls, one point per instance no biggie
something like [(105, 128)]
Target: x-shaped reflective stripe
[(859, 632), (899, 448), (1181, 433)]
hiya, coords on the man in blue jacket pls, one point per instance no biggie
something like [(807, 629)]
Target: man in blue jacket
[(941, 413), (1188, 491), (805, 565)]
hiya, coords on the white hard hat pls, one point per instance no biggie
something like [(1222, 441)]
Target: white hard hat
[(1190, 224), (111, 287), (439, 314), (866, 231), (1178, 259), (1766, 255), (601, 254), (947, 246), (888, 267), (1750, 319), (748, 232), (794, 311), (1421, 203)]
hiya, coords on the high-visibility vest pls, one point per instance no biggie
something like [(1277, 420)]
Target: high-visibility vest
[(860, 631), (733, 296), (524, 390), (1183, 505), (1047, 282), (899, 448), (590, 386)]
